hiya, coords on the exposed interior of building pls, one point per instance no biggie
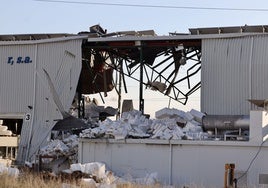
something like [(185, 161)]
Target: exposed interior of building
[(46, 78)]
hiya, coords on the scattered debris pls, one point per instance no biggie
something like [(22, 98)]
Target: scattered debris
[(64, 147), (95, 174), (9, 170), (149, 179), (61, 152), (157, 86), (4, 131), (169, 124), (60, 155), (94, 111), (89, 174)]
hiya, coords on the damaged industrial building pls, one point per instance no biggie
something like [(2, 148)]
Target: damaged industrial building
[(44, 77)]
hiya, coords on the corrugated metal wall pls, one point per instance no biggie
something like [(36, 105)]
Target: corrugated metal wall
[(25, 84), (260, 68), (233, 71), (65, 60), (16, 80)]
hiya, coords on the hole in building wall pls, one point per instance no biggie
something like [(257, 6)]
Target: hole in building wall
[(10, 131)]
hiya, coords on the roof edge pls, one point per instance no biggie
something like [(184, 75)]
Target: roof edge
[(48, 40)]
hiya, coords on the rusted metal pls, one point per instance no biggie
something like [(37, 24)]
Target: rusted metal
[(229, 180)]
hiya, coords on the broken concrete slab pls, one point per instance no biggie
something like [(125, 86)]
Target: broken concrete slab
[(198, 116)]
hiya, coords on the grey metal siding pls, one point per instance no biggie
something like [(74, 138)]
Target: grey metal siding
[(260, 68), (233, 71), (65, 59), (224, 76), (16, 80), (25, 84)]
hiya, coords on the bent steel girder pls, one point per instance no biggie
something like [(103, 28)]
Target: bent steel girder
[(164, 65)]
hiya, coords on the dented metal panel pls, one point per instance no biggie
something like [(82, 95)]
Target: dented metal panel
[(24, 88), (64, 74)]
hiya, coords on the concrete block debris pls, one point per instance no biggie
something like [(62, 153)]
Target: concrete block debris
[(168, 124), (57, 147), (169, 113), (91, 173), (95, 168), (95, 173), (4, 131), (14, 172)]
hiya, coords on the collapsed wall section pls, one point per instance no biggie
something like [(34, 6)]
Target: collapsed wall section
[(25, 89)]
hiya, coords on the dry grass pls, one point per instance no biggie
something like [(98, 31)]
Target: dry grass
[(30, 180), (33, 180), (131, 185)]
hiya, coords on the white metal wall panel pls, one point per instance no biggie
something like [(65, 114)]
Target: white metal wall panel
[(62, 67), (260, 68), (16, 79), (233, 71), (25, 84), (225, 76), (65, 60)]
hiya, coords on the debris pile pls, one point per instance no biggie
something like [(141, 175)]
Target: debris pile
[(92, 174), (66, 147), (169, 124), (95, 174), (9, 170), (94, 111), (3, 130)]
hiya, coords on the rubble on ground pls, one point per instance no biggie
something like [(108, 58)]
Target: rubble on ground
[(92, 174), (9, 170), (168, 124), (4, 130), (95, 174), (67, 147)]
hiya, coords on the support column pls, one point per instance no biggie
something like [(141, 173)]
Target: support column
[(141, 100)]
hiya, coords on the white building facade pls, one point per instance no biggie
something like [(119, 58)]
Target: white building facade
[(234, 69), (24, 88)]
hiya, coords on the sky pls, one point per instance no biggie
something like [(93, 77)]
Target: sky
[(31, 16)]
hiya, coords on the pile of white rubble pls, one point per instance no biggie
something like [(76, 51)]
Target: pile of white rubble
[(9, 170), (65, 147), (168, 124), (96, 175), (3, 130), (93, 175)]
